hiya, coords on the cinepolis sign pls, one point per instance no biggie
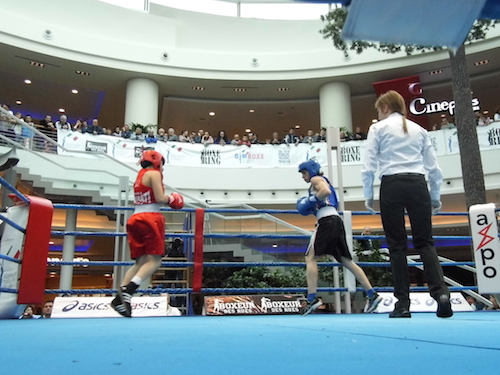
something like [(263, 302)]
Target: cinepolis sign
[(419, 106)]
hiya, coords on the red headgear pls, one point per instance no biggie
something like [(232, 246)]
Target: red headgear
[(154, 157)]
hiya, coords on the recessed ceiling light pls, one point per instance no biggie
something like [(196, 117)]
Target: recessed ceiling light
[(251, 110), (275, 245), (482, 62), (283, 89), (27, 81), (240, 89), (34, 63), (62, 110), (198, 88), (374, 121), (74, 91), (434, 72), (82, 73), (18, 102), (297, 126), (248, 130), (211, 113)]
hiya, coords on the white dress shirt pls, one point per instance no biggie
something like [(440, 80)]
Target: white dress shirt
[(393, 151)]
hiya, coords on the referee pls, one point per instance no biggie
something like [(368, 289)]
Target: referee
[(401, 149)]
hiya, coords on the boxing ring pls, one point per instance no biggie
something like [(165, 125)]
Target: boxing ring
[(358, 343)]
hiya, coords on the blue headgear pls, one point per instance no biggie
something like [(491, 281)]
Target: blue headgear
[(312, 166)]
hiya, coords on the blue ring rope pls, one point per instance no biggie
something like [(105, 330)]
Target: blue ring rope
[(14, 190), (12, 224), (6, 257), (248, 264), (8, 290), (240, 290)]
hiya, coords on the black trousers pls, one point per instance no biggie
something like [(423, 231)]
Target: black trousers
[(397, 193)]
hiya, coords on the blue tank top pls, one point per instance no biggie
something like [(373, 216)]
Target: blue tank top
[(331, 200)]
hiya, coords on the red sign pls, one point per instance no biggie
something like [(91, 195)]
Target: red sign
[(409, 88)]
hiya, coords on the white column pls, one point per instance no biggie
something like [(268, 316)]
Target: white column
[(68, 253), (335, 105), (141, 103)]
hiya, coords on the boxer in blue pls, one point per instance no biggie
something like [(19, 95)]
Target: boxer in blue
[(328, 237)]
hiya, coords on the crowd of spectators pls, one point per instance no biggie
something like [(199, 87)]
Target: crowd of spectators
[(149, 134)]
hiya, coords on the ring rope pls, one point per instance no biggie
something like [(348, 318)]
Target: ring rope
[(12, 224), (240, 290), (6, 257), (246, 264), (13, 190)]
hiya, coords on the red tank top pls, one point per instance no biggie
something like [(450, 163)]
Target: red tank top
[(143, 194)]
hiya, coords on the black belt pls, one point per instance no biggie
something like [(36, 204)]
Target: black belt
[(404, 175)]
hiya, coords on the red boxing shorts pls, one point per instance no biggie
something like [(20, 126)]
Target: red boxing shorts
[(146, 234)]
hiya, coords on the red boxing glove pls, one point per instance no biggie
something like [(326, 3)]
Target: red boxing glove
[(176, 201)]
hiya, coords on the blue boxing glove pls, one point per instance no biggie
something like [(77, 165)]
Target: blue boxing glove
[(304, 206)]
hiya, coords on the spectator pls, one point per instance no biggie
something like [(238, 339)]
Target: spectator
[(47, 310), (47, 123), (496, 116), (150, 137), (445, 124), (27, 133), (484, 119), (18, 128), (192, 137), (309, 138), (252, 137), (5, 121), (366, 244), (236, 140), (276, 140), (244, 141), (63, 123), (126, 132), (95, 128), (434, 127), (161, 136), (291, 138), (137, 135), (29, 313), (199, 136), (472, 302), (321, 137), (171, 136), (207, 139), (221, 138), (344, 137), (78, 127), (116, 132), (184, 137), (494, 301), (358, 134)]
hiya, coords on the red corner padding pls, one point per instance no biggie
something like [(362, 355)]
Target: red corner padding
[(198, 250), (36, 250)]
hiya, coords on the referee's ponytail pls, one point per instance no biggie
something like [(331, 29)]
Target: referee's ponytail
[(395, 102)]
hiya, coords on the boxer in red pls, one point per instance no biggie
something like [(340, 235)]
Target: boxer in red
[(145, 228)]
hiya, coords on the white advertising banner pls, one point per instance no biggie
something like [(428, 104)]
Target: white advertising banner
[(11, 245), (484, 229), (98, 307), (422, 302), (445, 142)]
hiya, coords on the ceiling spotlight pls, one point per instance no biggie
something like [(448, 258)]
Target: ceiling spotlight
[(251, 110), (482, 62), (434, 72), (27, 81), (211, 113), (18, 102), (34, 63), (74, 91), (248, 130), (374, 121), (275, 245), (297, 126), (62, 110)]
